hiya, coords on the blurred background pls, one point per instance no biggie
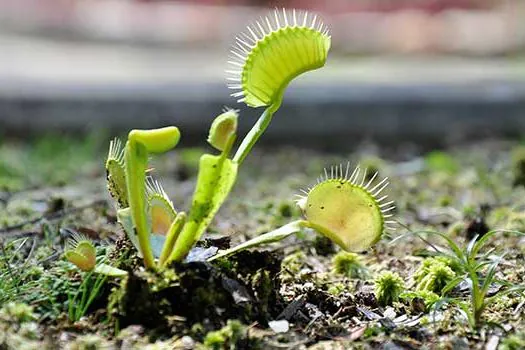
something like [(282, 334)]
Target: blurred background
[(432, 71)]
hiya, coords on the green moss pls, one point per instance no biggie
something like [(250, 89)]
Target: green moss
[(445, 200), (513, 342), (227, 337), (17, 312), (434, 274), (215, 340), (293, 263), (438, 161), (508, 218), (349, 264), (388, 287), (426, 297), (336, 289)]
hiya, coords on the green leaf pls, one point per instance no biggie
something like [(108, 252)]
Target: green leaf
[(216, 177), (452, 284), (136, 156), (453, 246), (171, 237), (126, 221), (156, 140), (490, 275)]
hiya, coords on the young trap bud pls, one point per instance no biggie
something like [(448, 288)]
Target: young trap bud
[(156, 140), (223, 129), (81, 252), (274, 51)]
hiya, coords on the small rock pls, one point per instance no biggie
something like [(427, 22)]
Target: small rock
[(280, 326)]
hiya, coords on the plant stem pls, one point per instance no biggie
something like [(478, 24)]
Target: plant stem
[(171, 237), (475, 296), (270, 237), (257, 130), (136, 162)]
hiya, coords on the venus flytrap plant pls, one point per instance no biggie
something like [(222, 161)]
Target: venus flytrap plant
[(343, 206), (140, 144), (276, 50), (81, 252), (160, 233), (216, 177)]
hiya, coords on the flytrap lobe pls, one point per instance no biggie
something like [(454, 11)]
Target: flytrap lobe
[(116, 174), (81, 252), (161, 210), (272, 52), (349, 208)]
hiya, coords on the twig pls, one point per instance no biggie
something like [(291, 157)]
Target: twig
[(51, 216)]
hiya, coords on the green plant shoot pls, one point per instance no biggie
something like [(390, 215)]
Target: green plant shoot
[(475, 267), (276, 51), (217, 174)]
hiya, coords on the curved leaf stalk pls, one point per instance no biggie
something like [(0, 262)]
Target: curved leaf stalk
[(136, 157), (257, 130), (270, 237)]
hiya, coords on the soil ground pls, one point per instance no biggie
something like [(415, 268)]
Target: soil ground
[(54, 185)]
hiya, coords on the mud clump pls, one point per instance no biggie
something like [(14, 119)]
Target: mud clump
[(240, 288)]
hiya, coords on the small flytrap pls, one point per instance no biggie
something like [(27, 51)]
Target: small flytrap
[(265, 59)]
